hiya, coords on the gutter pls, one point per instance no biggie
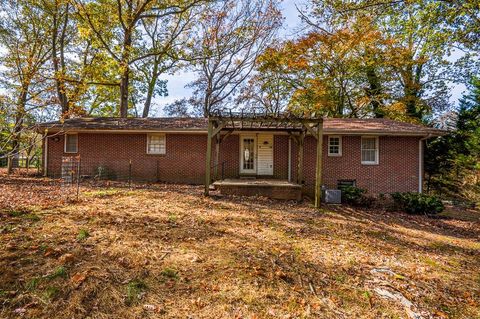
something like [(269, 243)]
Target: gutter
[(421, 161)]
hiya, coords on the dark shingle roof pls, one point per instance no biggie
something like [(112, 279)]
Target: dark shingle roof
[(380, 126), (330, 125), (131, 123)]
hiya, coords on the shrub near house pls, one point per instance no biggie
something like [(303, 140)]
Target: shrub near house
[(417, 203)]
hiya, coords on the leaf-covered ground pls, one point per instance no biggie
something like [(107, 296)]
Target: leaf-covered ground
[(165, 251)]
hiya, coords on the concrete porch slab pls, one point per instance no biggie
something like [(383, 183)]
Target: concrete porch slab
[(271, 188)]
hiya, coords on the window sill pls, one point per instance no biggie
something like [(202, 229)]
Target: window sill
[(334, 155), (157, 154), (369, 163)]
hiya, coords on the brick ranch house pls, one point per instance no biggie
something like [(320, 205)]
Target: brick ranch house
[(380, 155)]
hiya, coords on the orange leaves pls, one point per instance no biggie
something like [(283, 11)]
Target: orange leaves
[(79, 278)]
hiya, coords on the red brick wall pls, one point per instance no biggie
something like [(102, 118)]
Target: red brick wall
[(397, 170), (229, 154), (184, 161), (280, 156)]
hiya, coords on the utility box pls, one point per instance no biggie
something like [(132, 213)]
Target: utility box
[(332, 196)]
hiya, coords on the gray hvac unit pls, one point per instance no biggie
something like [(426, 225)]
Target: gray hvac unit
[(332, 196)]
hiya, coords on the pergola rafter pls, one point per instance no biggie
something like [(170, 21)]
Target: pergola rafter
[(296, 125)]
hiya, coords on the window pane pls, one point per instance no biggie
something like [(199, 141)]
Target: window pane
[(334, 145), (334, 150), (71, 143), (334, 141), (369, 149), (248, 153), (368, 143), (368, 156), (156, 144)]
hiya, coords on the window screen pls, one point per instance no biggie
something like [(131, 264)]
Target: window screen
[(71, 143), (156, 144), (369, 150)]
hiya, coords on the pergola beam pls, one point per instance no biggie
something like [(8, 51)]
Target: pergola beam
[(218, 128), (310, 129)]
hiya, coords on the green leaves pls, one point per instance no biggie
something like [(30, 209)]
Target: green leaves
[(415, 203)]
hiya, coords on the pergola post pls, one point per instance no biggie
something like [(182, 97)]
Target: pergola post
[(208, 157), (217, 154), (301, 139), (318, 166)]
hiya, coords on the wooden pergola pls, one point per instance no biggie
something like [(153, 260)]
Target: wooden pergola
[(297, 126)]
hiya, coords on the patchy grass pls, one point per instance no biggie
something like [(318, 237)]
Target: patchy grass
[(59, 272), (166, 251), (135, 291), (100, 193), (169, 273), (83, 234)]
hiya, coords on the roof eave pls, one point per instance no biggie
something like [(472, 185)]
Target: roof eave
[(59, 128)]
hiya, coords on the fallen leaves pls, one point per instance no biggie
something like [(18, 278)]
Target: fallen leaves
[(176, 253), (79, 278), (66, 258)]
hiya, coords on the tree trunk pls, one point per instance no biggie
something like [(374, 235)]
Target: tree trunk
[(151, 88), (20, 113), (124, 91), (206, 103), (125, 70), (412, 90), (9, 164), (59, 63), (374, 91)]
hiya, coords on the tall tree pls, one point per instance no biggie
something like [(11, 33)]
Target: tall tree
[(118, 29), (326, 70), (231, 35), (24, 35), (369, 60), (452, 162), (169, 38)]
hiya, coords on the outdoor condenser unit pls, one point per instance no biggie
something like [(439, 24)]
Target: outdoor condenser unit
[(332, 196)]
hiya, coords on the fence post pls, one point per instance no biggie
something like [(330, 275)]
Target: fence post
[(130, 174), (78, 177)]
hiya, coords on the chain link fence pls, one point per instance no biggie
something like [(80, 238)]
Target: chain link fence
[(76, 172)]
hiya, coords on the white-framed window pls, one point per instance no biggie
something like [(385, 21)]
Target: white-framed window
[(156, 144), (369, 150), (71, 143), (334, 146)]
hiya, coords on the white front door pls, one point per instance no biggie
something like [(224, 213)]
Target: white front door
[(265, 154), (248, 148)]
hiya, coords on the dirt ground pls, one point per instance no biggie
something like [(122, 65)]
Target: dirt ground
[(166, 251)]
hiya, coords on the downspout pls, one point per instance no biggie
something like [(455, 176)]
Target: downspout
[(45, 149), (420, 162), (289, 158)]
